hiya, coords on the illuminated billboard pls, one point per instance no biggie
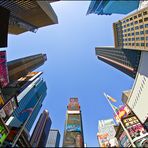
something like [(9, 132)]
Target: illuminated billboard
[(73, 106), (8, 108), (73, 122), (134, 127), (124, 140), (4, 131), (73, 139), (4, 78)]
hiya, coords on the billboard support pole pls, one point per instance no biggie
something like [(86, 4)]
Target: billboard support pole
[(128, 135)]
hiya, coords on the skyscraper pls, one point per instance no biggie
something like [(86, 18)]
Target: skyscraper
[(29, 16), (108, 7), (106, 134), (53, 138), (21, 16), (132, 31), (20, 67), (29, 103), (41, 130), (73, 133), (125, 60)]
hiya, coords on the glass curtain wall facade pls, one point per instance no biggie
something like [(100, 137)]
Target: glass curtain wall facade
[(125, 60), (41, 130)]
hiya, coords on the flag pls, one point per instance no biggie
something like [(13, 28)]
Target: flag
[(111, 98)]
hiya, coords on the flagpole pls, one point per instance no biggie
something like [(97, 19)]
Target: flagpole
[(128, 135)]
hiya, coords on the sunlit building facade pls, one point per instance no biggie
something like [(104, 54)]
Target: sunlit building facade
[(132, 31)]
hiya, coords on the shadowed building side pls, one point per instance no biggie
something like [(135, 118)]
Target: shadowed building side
[(20, 67), (125, 60)]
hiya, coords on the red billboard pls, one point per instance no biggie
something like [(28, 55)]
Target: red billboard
[(4, 78)]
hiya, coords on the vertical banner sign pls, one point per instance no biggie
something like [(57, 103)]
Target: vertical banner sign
[(4, 78)]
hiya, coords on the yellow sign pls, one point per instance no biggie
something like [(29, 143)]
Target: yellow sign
[(1, 100)]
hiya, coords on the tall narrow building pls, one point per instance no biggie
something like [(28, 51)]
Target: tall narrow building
[(73, 133), (132, 31), (108, 7), (53, 138), (20, 67), (41, 130), (125, 60)]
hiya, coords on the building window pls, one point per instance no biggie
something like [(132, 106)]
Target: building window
[(131, 18), (127, 25), (146, 31), (141, 32), (137, 38), (141, 26), (145, 13), (137, 33), (136, 22), (132, 33), (132, 28), (146, 44), (137, 27), (127, 20), (135, 16), (139, 15), (146, 25), (129, 39), (128, 34), (146, 37), (128, 29), (142, 44), (140, 21), (129, 45), (133, 44), (146, 19), (137, 44), (142, 38), (133, 39), (125, 34)]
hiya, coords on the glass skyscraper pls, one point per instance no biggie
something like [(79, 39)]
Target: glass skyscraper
[(29, 98), (125, 60), (20, 67), (107, 7), (41, 130), (53, 138)]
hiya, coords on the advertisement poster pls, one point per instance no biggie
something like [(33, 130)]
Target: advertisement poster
[(73, 122), (136, 131), (73, 139), (143, 142), (123, 139), (4, 78), (73, 106), (122, 112), (3, 131), (1, 101), (73, 127)]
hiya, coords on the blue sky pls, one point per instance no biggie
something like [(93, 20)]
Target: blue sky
[(72, 69)]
